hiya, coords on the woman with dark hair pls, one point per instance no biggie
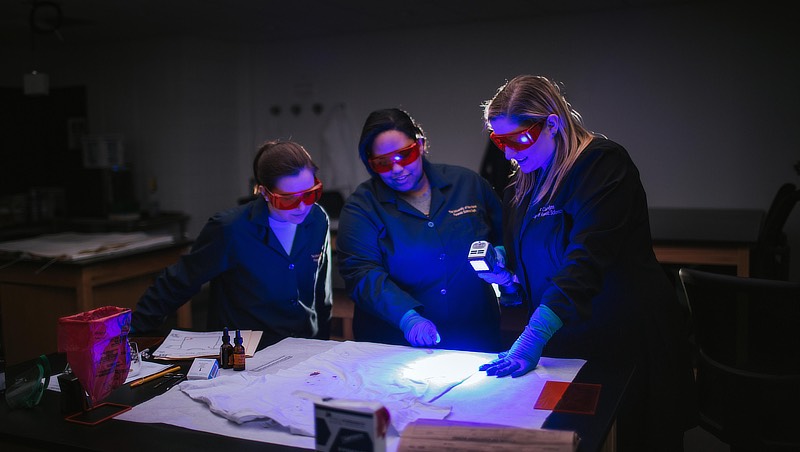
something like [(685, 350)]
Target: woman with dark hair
[(403, 242), (267, 261), (578, 244)]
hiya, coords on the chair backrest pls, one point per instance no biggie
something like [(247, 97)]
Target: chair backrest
[(782, 204), (748, 324), (748, 365), (771, 256)]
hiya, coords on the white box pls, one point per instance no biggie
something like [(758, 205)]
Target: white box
[(203, 369), (350, 425)]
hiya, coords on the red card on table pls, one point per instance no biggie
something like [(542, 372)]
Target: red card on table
[(566, 397)]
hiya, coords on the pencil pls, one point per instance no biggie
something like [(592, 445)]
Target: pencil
[(144, 380)]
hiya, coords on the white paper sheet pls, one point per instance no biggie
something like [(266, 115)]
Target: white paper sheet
[(73, 246), (181, 344)]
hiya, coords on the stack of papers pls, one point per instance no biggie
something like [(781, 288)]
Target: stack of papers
[(148, 368), (73, 246), (188, 344)]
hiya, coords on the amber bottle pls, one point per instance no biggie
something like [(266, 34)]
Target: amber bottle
[(226, 351), (238, 352)]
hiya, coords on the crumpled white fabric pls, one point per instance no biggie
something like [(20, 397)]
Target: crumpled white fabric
[(405, 380)]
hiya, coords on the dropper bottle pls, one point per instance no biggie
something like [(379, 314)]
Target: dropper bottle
[(238, 352), (226, 351)]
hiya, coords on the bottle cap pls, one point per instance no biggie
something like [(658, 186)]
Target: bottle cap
[(238, 338), (225, 336)]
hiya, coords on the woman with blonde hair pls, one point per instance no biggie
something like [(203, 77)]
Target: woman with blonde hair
[(578, 245)]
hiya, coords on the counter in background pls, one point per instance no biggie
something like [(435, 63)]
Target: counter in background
[(34, 295), (695, 236)]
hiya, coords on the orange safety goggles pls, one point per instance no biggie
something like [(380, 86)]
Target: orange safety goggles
[(289, 201), (517, 141), (384, 163)]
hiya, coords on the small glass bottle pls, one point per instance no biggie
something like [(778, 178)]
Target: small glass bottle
[(226, 351), (238, 352)]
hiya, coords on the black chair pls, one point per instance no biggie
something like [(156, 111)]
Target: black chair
[(748, 358), (771, 256)]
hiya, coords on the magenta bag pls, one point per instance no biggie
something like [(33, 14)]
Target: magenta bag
[(97, 348)]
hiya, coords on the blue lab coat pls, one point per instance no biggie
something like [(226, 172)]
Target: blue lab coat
[(253, 283), (394, 258)]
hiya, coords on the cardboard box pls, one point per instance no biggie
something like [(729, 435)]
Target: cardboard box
[(350, 425), (203, 369)]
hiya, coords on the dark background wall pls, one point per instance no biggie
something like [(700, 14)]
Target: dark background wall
[(702, 94)]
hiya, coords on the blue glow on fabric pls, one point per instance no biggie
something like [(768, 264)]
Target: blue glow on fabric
[(447, 364)]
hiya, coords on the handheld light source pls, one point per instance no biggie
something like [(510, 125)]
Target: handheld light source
[(482, 256)]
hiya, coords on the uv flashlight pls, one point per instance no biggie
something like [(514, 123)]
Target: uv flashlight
[(482, 257)]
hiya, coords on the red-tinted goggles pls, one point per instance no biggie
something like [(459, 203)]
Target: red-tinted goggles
[(289, 201), (384, 163), (517, 141)]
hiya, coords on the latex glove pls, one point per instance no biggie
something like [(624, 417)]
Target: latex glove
[(520, 359), (500, 275), (419, 331), (524, 355), (510, 295)]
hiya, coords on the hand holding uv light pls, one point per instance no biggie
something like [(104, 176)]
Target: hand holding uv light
[(489, 263), (484, 259)]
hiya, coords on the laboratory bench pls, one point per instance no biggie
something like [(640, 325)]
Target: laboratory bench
[(35, 293), (44, 427)]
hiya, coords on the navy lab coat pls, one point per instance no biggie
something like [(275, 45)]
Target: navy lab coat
[(394, 258), (254, 284)]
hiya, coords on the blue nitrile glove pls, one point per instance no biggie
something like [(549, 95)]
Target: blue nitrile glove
[(510, 295), (419, 331), (524, 355), (500, 275)]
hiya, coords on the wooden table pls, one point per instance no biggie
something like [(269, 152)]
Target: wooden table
[(34, 296), (695, 236)]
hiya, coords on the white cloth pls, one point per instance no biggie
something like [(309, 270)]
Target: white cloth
[(356, 371)]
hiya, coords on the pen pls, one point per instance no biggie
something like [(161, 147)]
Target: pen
[(144, 380)]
